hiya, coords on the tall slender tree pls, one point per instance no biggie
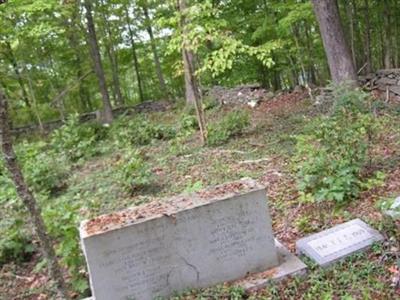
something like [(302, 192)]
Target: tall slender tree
[(28, 199), (193, 93), (112, 55), (157, 63), (134, 54), (98, 66)]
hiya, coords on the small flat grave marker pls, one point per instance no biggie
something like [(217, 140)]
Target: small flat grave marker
[(336, 243)]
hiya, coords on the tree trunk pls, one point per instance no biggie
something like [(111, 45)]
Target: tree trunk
[(350, 15), (193, 93), (367, 38), (13, 62), (98, 67), (134, 55), (339, 58), (160, 76), (35, 106), (73, 39), (188, 61), (387, 35), (29, 200), (119, 99), (188, 64)]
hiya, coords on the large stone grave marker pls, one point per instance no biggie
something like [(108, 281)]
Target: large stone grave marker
[(190, 241), (331, 245)]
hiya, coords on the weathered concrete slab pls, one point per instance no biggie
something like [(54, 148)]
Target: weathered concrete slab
[(289, 265), (217, 235), (336, 243)]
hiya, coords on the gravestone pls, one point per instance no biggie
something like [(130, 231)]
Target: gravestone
[(336, 243), (191, 241)]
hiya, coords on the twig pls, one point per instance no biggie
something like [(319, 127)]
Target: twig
[(255, 161), (362, 68)]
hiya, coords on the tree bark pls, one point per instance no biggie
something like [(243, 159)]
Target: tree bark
[(350, 15), (13, 62), (119, 99), (387, 35), (35, 106), (98, 66), (193, 93), (188, 60), (339, 58), (134, 55), (29, 200), (160, 76), (367, 38), (73, 39)]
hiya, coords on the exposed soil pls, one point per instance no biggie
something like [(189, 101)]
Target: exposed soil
[(291, 218)]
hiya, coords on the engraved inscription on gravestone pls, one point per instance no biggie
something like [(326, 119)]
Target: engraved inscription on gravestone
[(338, 242), (209, 240)]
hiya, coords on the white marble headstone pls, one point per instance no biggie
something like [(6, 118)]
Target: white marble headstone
[(338, 242)]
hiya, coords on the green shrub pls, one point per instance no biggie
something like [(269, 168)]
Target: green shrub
[(333, 151), (62, 221), (43, 170), (147, 131), (232, 124), (188, 123), (139, 131), (15, 242), (132, 171), (75, 140), (209, 103), (43, 173)]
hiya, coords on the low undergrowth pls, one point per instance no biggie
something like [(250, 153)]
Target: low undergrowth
[(85, 170)]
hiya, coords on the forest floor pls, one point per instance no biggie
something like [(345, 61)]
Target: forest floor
[(262, 152)]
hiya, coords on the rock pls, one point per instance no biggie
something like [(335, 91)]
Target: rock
[(253, 103), (383, 80), (298, 89), (394, 210), (386, 81), (241, 95), (270, 95), (395, 89)]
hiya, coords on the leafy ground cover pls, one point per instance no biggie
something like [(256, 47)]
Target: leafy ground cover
[(142, 158)]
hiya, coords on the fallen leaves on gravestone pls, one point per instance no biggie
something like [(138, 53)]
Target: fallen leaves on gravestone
[(161, 207)]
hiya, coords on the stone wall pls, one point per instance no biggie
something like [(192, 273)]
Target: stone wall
[(148, 106), (386, 81)]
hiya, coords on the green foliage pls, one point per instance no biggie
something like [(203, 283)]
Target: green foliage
[(43, 170), (188, 123), (333, 151), (62, 221), (132, 171), (232, 124), (195, 187), (44, 173), (147, 131), (140, 131), (15, 242), (75, 140)]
